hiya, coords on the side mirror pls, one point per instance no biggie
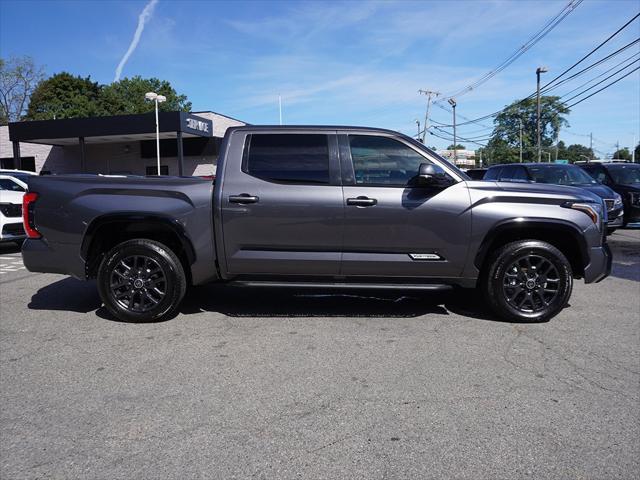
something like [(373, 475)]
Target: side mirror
[(427, 174)]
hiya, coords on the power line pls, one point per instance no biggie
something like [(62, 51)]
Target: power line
[(548, 27), (592, 51), (603, 73), (458, 138), (593, 65), (547, 86), (600, 82), (604, 88)]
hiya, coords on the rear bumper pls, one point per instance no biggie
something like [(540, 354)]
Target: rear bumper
[(41, 256), (599, 267)]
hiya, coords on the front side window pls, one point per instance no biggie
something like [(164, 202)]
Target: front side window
[(385, 161), (288, 158)]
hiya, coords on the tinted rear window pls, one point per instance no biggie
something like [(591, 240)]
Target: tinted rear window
[(492, 173), (288, 158)]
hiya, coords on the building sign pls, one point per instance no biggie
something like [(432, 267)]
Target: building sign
[(200, 125), (195, 125)]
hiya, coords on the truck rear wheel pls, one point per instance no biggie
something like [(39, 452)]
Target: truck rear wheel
[(141, 281), (527, 281)]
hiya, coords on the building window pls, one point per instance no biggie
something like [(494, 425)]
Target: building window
[(288, 158), (191, 147), (28, 163), (164, 170)]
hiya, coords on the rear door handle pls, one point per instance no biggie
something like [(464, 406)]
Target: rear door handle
[(243, 198), (362, 201)]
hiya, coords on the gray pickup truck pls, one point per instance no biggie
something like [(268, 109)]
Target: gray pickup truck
[(326, 207)]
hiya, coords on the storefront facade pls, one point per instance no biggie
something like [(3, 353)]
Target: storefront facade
[(123, 144)]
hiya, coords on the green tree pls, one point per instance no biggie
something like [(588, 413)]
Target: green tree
[(18, 78), (505, 140), (637, 153), (458, 147), (577, 153), (127, 97), (64, 96), (622, 154)]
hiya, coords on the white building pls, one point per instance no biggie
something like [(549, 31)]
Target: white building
[(465, 158)]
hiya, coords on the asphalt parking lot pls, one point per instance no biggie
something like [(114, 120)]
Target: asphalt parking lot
[(281, 384)]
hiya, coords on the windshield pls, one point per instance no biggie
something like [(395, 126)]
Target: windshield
[(10, 185), (625, 174), (561, 175)]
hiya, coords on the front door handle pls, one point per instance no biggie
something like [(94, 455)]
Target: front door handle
[(243, 198), (362, 201)]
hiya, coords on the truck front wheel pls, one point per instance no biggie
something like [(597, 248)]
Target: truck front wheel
[(141, 281), (527, 281)]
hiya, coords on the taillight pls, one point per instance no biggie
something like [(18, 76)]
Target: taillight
[(28, 202)]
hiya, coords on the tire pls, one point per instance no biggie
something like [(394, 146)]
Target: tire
[(527, 281), (141, 281)]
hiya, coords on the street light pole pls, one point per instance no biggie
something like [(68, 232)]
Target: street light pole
[(156, 99), (453, 104), (539, 70), (520, 140)]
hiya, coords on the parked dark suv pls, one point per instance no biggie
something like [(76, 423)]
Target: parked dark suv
[(623, 178), (560, 174)]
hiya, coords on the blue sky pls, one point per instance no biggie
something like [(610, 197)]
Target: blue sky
[(357, 62)]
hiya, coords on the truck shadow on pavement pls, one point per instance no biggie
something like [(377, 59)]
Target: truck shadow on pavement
[(74, 295), (67, 294), (256, 302)]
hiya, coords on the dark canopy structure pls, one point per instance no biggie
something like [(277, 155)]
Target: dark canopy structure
[(119, 128)]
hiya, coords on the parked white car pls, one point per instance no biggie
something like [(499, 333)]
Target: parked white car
[(11, 193)]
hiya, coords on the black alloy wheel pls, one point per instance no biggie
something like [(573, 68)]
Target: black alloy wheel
[(531, 283), (138, 283), (527, 281), (141, 281)]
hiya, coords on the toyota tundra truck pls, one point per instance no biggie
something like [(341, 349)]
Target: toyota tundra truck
[(317, 207)]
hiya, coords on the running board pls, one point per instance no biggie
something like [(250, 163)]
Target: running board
[(369, 286)]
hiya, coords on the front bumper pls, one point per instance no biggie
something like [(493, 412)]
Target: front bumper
[(599, 267), (616, 218), (11, 231), (632, 216)]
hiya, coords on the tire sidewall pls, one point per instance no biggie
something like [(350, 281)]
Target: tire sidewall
[(506, 258), (170, 266)]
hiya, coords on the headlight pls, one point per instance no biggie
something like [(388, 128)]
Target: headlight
[(617, 201), (595, 211)]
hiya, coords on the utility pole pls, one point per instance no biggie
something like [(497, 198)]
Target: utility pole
[(557, 135), (453, 104), (418, 123), (429, 94), (520, 140), (539, 70), (280, 107), (591, 143)]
